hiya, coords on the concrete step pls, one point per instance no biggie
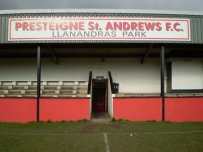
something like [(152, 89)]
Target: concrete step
[(23, 87), (56, 87), (67, 95), (32, 92), (53, 83), (83, 87), (2, 92), (29, 95), (13, 95), (5, 87), (70, 83), (48, 88), (151, 94), (8, 83), (198, 94), (49, 95), (81, 83), (68, 92), (71, 87), (34, 83), (50, 92), (32, 87), (137, 95), (82, 91), (82, 95), (23, 83), (16, 92)]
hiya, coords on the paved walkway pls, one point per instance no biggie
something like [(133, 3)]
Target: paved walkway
[(101, 118)]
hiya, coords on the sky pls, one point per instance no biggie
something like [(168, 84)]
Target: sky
[(183, 5)]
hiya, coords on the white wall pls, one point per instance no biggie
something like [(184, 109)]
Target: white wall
[(18, 69), (128, 72)]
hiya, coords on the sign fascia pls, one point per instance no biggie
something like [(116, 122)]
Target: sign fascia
[(99, 28)]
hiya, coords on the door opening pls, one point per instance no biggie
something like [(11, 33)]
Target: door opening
[(99, 96)]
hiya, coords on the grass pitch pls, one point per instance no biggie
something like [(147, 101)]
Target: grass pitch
[(119, 136)]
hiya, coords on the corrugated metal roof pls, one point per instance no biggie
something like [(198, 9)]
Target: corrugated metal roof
[(103, 11)]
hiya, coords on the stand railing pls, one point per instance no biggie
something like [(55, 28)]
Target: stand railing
[(114, 86), (90, 82)]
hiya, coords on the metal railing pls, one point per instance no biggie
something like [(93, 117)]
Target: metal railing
[(114, 86), (90, 82)]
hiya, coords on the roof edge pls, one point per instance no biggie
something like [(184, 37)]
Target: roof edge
[(101, 11)]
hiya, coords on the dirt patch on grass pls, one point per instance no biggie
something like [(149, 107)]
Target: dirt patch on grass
[(117, 127), (89, 128)]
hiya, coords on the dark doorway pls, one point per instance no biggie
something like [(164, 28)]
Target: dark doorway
[(99, 95)]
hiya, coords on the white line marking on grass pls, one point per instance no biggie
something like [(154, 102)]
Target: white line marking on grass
[(48, 134), (105, 134), (156, 133), (106, 142), (173, 132)]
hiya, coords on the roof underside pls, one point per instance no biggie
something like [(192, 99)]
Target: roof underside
[(63, 51)]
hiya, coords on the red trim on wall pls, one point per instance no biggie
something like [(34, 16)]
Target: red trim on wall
[(17, 110), (137, 109), (184, 109), (62, 109)]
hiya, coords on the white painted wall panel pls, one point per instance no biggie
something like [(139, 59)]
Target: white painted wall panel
[(129, 73), (18, 69), (186, 74)]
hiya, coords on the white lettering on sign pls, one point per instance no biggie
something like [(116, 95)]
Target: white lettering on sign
[(68, 28)]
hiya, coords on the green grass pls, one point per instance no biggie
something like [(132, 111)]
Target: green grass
[(123, 136)]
